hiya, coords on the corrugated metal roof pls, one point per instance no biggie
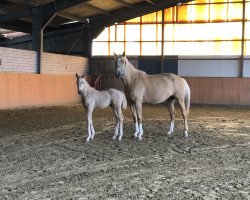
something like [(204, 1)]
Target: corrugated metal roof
[(70, 11)]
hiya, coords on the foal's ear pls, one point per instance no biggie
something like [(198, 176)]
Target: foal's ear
[(83, 75), (123, 54), (115, 54), (77, 76)]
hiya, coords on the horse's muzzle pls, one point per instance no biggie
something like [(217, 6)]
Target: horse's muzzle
[(118, 75)]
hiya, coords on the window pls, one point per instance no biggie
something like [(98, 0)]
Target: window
[(201, 27)]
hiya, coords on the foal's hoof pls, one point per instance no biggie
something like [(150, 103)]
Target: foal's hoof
[(114, 137), (169, 133), (140, 138), (186, 134), (169, 136)]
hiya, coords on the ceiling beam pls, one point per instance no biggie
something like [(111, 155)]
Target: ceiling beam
[(56, 6), (71, 17), (24, 2), (97, 9), (61, 5), (17, 25), (28, 38), (151, 2), (124, 3), (124, 14), (16, 15)]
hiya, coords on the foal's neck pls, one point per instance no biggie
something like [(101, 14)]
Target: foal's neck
[(87, 90)]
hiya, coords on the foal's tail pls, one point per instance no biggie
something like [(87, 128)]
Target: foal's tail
[(124, 102), (187, 97)]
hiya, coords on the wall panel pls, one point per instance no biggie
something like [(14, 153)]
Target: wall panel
[(204, 90), (219, 91), (23, 90), (208, 68)]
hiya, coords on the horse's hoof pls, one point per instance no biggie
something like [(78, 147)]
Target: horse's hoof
[(169, 136), (169, 133), (119, 139), (139, 138), (185, 134)]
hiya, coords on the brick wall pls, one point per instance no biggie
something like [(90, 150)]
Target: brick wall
[(63, 64), (20, 86), (19, 61), (23, 61)]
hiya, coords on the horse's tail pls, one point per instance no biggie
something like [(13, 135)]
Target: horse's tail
[(124, 102), (187, 96)]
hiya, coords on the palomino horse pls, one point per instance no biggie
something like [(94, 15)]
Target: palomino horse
[(140, 87), (92, 98)]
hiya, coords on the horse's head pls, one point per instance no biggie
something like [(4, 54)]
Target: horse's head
[(120, 65), (81, 83)]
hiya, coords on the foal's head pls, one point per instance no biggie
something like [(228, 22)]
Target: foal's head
[(120, 65), (81, 83)]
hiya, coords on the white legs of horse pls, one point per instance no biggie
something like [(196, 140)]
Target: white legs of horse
[(171, 128), (184, 114), (137, 116), (138, 131), (172, 116), (171, 110)]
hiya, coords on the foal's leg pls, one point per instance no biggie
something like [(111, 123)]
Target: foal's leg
[(133, 110), (138, 106), (172, 116), (120, 118), (116, 122), (184, 114), (89, 121), (92, 131)]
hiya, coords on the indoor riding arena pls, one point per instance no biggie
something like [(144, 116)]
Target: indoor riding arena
[(44, 109)]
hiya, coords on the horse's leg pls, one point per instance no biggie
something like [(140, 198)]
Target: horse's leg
[(133, 110), (116, 122), (120, 118), (172, 116), (138, 107), (184, 114), (89, 121)]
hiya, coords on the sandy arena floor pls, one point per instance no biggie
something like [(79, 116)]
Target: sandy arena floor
[(43, 155)]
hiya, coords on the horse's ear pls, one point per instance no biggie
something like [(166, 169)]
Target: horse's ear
[(115, 54), (76, 75), (123, 54), (83, 75)]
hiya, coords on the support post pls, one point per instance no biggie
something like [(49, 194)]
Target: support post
[(41, 16), (37, 36), (162, 42), (243, 39)]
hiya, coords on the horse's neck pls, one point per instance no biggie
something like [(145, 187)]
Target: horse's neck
[(130, 73)]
